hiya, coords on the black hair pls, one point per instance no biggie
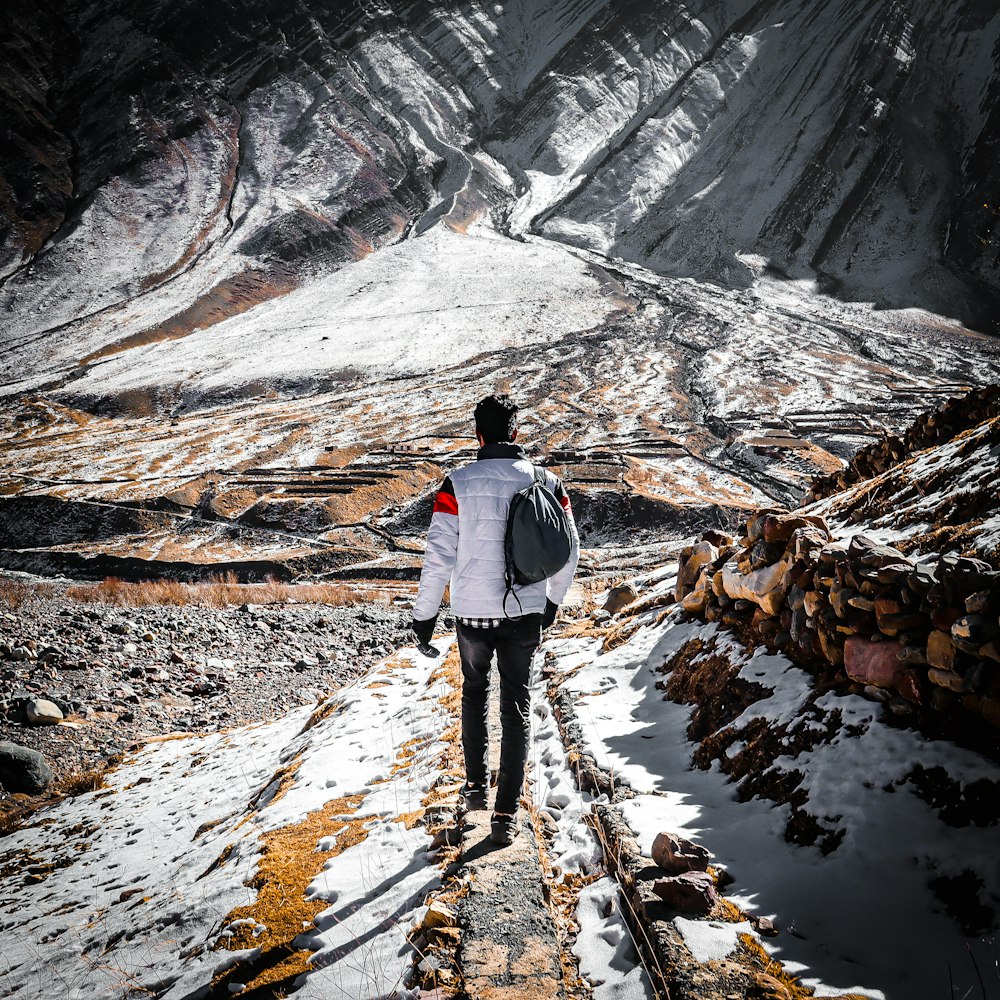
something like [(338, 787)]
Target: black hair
[(496, 418)]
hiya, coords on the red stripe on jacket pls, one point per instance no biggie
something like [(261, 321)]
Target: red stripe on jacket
[(445, 503)]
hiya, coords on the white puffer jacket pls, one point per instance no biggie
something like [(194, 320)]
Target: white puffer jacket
[(465, 543)]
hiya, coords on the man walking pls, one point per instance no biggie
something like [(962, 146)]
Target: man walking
[(465, 546)]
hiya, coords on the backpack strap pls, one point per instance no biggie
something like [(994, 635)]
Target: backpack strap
[(540, 479)]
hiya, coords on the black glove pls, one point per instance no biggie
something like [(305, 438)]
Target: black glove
[(549, 614), (424, 631)]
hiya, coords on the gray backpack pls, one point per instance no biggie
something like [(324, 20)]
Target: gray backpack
[(538, 541)]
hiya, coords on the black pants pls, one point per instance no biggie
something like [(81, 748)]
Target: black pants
[(514, 641)]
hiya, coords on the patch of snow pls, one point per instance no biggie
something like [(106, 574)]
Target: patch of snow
[(607, 956), (840, 914), (180, 829), (712, 940)]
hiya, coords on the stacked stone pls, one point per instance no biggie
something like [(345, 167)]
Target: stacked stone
[(919, 635), (931, 428)]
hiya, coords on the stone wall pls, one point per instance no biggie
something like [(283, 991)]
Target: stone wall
[(929, 429), (923, 637)]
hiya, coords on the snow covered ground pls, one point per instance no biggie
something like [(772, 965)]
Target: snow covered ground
[(160, 880), (414, 308), (132, 886), (860, 919)]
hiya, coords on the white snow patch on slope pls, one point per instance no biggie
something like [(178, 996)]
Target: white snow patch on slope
[(711, 940), (415, 307), (142, 900), (847, 909)]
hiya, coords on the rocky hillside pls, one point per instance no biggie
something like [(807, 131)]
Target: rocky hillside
[(892, 584), (241, 143), (257, 261)]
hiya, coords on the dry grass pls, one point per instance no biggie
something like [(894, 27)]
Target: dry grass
[(288, 865), (19, 809), (13, 593), (219, 592)]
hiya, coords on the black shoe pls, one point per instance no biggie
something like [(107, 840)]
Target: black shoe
[(473, 795), (504, 829)]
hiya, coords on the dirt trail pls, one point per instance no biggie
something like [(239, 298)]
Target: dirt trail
[(509, 943)]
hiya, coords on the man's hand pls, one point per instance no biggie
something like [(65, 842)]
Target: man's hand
[(549, 614), (424, 631)]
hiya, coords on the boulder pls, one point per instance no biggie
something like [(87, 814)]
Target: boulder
[(908, 683), (696, 600), (620, 597), (830, 645), (692, 892), (813, 602), (717, 538), (756, 522), (42, 712), (940, 650), (908, 622), (678, 855), (766, 587), (690, 567), (23, 769), (781, 527), (840, 597), (947, 679), (871, 662), (970, 632)]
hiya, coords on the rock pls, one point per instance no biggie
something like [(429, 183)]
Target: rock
[(947, 679), (23, 770), (620, 597), (895, 624), (913, 656), (781, 527), (677, 855), (766, 587), (940, 650), (42, 712), (908, 683), (695, 601), (691, 892), (813, 602), (977, 603), (439, 915), (871, 662), (970, 632), (22, 654), (755, 524), (690, 567), (717, 538), (177, 657), (130, 647)]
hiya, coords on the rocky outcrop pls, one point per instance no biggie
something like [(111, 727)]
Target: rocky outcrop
[(925, 633), (933, 427)]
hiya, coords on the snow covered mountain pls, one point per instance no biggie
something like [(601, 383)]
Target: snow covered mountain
[(224, 226)]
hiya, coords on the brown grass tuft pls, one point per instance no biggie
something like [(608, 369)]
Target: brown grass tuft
[(14, 593), (219, 592)]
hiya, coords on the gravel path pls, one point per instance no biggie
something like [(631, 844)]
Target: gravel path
[(121, 674)]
